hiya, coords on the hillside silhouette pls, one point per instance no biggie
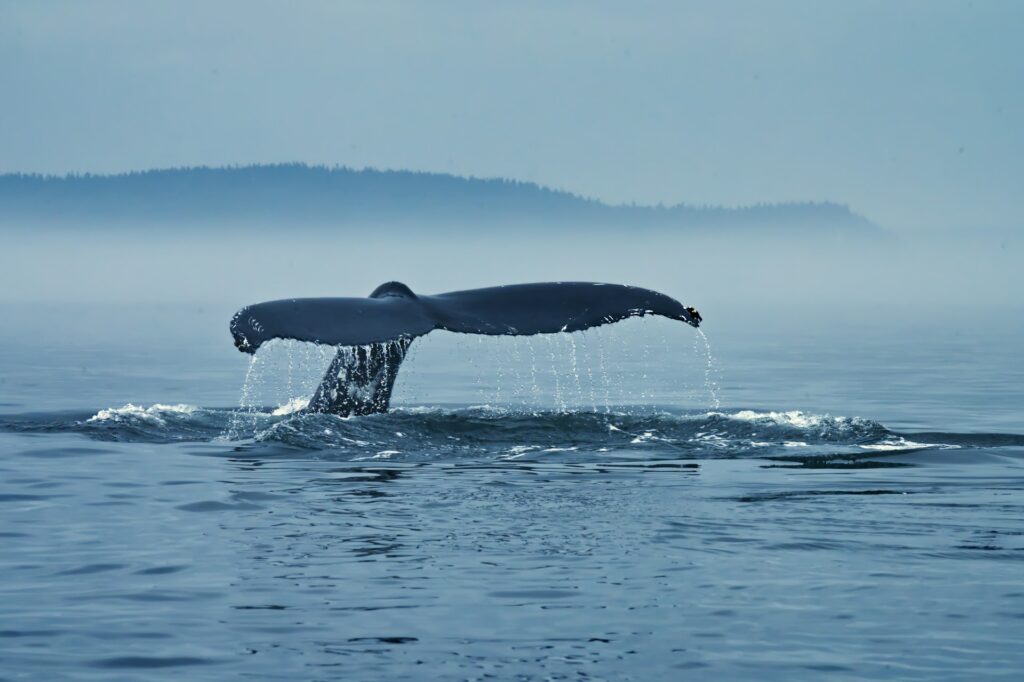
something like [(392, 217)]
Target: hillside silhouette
[(296, 194)]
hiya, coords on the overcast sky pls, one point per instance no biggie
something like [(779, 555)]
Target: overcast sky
[(909, 111)]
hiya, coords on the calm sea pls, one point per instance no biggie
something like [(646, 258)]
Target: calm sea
[(802, 494)]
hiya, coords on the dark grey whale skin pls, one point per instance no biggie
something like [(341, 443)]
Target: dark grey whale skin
[(394, 312), (373, 334)]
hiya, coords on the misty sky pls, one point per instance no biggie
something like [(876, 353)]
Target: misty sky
[(909, 111)]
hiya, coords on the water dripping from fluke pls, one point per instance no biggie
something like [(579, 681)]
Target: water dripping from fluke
[(583, 374), (710, 382)]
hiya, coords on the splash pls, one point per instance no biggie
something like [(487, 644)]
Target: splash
[(590, 371), (491, 432), (155, 413), (291, 407), (603, 370), (710, 382), (236, 425), (615, 367), (559, 399), (281, 375), (791, 418)]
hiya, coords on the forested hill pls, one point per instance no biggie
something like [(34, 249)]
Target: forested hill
[(295, 194)]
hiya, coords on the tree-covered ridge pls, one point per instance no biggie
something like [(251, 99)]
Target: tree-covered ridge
[(301, 193)]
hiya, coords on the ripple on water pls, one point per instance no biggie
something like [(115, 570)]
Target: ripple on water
[(149, 662)]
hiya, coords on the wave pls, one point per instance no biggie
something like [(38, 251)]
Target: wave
[(131, 412), (485, 432)]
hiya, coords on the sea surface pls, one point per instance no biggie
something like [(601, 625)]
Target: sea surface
[(810, 494)]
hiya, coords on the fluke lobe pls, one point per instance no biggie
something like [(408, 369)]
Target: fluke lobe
[(374, 333)]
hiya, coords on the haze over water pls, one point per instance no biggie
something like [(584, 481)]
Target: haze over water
[(827, 480)]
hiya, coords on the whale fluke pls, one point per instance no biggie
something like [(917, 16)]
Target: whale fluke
[(375, 332)]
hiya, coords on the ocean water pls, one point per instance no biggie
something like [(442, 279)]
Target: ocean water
[(821, 494)]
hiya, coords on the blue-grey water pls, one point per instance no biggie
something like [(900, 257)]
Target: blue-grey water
[(816, 494)]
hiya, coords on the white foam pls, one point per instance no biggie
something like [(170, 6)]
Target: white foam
[(487, 407), (790, 418), (154, 413), (643, 438), (417, 409), (517, 451), (291, 407), (715, 440), (904, 444)]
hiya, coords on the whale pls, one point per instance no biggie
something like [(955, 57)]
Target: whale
[(373, 334)]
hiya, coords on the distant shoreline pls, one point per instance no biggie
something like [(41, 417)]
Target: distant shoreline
[(298, 194)]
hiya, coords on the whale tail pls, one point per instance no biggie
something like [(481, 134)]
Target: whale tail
[(373, 334)]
